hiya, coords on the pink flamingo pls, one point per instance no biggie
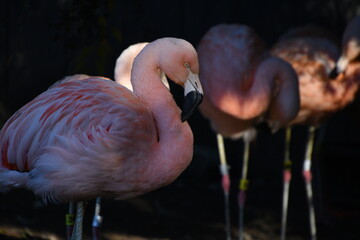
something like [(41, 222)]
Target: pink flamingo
[(243, 86), (313, 57), (89, 138)]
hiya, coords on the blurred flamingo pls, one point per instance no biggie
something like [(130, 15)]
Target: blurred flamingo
[(313, 55), (89, 138), (122, 73), (243, 86)]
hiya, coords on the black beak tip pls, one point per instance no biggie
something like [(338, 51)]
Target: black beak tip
[(334, 73), (191, 103)]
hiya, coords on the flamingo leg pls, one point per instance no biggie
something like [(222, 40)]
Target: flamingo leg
[(69, 221), (78, 228), (224, 167), (243, 186), (308, 177), (287, 179), (97, 220)]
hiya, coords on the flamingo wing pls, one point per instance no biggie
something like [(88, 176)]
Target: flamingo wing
[(74, 136)]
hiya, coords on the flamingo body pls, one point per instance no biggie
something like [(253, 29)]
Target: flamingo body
[(313, 58), (108, 119)]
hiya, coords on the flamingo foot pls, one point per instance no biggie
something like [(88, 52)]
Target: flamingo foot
[(241, 202), (226, 187)]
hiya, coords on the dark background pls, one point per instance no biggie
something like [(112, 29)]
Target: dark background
[(43, 41)]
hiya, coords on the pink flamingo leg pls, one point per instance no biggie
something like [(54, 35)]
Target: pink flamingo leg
[(308, 177), (287, 179), (225, 183), (78, 228), (243, 186), (69, 221)]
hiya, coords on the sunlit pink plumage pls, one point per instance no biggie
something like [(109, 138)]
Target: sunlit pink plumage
[(89, 138)]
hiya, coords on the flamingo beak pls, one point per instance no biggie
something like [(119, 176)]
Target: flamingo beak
[(334, 73), (340, 67), (193, 96)]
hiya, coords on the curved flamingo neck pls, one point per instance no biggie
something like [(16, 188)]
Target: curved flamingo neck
[(148, 86), (273, 92), (268, 72), (174, 149), (284, 98), (250, 99)]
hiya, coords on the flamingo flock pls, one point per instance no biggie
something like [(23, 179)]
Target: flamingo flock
[(238, 95), (243, 86), (89, 137)]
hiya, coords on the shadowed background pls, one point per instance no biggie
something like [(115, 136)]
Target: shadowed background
[(43, 41)]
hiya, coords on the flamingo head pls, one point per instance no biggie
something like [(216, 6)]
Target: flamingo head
[(350, 47), (181, 65)]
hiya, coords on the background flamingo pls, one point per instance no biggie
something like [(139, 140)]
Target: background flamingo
[(122, 72), (313, 55), (244, 86), (76, 140)]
